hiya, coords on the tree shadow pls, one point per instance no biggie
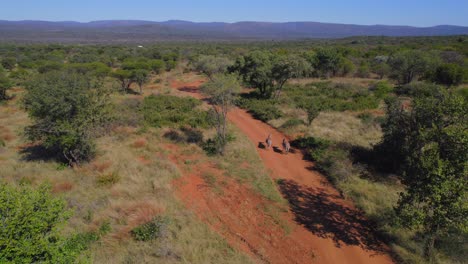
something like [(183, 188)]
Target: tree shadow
[(189, 89), (323, 215), (132, 92), (38, 152)]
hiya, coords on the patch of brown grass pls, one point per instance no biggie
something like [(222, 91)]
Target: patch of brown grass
[(345, 127), (62, 187), (134, 213), (144, 160), (7, 136), (101, 166), (140, 143), (124, 130)]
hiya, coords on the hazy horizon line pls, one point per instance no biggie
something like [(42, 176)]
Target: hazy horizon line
[(225, 22)]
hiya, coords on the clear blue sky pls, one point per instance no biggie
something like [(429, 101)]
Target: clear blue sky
[(367, 12)]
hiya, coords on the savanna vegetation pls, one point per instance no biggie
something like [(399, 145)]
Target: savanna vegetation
[(86, 171)]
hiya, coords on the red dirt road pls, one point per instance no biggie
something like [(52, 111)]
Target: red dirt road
[(337, 231)]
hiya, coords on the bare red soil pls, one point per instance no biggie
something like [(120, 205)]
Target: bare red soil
[(322, 220), (238, 214)]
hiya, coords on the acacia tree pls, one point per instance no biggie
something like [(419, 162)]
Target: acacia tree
[(222, 91), (268, 72), (212, 65), (287, 67), (449, 74), (67, 109), (256, 71), (5, 84), (327, 61), (141, 77), (125, 77), (431, 141), (408, 65), (312, 111)]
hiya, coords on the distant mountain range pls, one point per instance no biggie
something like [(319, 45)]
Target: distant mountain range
[(144, 31)]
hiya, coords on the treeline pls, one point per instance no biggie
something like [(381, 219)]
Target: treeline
[(68, 99)]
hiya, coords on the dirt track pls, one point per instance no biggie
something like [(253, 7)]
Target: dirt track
[(337, 231)]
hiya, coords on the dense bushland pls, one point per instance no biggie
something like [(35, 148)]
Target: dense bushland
[(173, 111), (67, 109)]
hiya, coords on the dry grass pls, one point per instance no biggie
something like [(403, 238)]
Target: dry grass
[(101, 166), (141, 191), (345, 127), (335, 126), (140, 143), (62, 187)]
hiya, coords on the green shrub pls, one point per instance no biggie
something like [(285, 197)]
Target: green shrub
[(108, 179), (211, 147), (2, 143), (417, 89), (31, 221), (264, 110), (167, 110), (292, 123), (151, 230), (315, 147), (463, 92), (67, 108), (192, 135), (105, 228), (366, 117), (76, 244), (327, 96), (330, 158), (382, 89)]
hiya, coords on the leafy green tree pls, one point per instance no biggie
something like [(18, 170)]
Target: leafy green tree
[(312, 110), (408, 65), (269, 72), (141, 77), (449, 74), (125, 77), (157, 66), (5, 84), (97, 69), (19, 76), (48, 66), (170, 65), (8, 63), (67, 109), (346, 67), (430, 141), (327, 62), (287, 67), (136, 64), (212, 65), (363, 70), (222, 91), (382, 69), (256, 71), (31, 220)]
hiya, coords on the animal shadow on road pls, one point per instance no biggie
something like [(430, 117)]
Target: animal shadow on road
[(277, 150), (261, 145), (322, 214)]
